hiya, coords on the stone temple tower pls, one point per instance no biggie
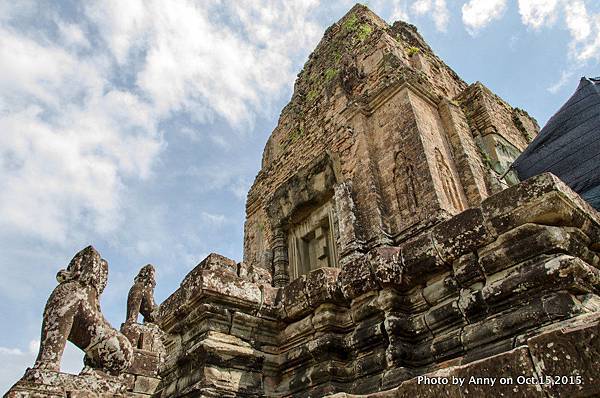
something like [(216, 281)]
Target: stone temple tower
[(380, 140), (387, 253)]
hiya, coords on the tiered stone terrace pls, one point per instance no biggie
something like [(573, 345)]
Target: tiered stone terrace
[(391, 170)]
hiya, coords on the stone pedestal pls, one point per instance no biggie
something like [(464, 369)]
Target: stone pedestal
[(89, 383), (141, 378), (148, 355)]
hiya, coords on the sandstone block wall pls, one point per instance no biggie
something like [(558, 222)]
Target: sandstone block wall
[(496, 290), (445, 268), (407, 141)]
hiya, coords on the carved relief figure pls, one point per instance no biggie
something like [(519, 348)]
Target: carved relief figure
[(404, 183), (73, 313), (447, 180)]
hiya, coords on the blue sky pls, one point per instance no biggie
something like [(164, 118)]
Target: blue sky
[(138, 126)]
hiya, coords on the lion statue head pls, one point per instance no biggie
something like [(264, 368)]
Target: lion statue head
[(146, 276), (87, 268)]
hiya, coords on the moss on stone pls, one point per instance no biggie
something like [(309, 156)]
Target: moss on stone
[(296, 134), (412, 51), (330, 73), (350, 23), (337, 56), (364, 31)]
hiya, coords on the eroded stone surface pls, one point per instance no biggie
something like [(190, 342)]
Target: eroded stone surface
[(386, 167), (73, 313), (116, 364)]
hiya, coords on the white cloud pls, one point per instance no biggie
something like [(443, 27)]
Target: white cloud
[(54, 82), (69, 138), (421, 7), (578, 21), (239, 187), (399, 11), (476, 14), (565, 77), (438, 10), (122, 24), (196, 63), (72, 138), (584, 28), (536, 13), (214, 219), (34, 346), (68, 171), (73, 35)]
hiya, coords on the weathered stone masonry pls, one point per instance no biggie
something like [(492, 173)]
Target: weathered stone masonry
[(508, 288), (383, 242), (439, 269), (116, 363)]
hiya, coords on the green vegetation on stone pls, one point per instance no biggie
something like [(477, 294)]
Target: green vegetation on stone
[(412, 51), (350, 23), (337, 56), (330, 74), (364, 31), (296, 134)]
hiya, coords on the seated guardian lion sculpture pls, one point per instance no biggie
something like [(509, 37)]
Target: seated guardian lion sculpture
[(73, 313), (140, 300)]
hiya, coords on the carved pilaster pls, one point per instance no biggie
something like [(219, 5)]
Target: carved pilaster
[(280, 259), (348, 241)]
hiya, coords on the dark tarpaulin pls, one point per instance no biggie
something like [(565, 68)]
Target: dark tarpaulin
[(569, 144)]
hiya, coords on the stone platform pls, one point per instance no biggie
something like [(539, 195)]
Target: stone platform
[(140, 380), (507, 289), (559, 362), (387, 244)]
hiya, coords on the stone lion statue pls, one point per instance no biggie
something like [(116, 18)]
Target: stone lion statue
[(140, 300), (73, 313)]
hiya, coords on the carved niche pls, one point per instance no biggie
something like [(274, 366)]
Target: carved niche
[(304, 226), (311, 241)]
